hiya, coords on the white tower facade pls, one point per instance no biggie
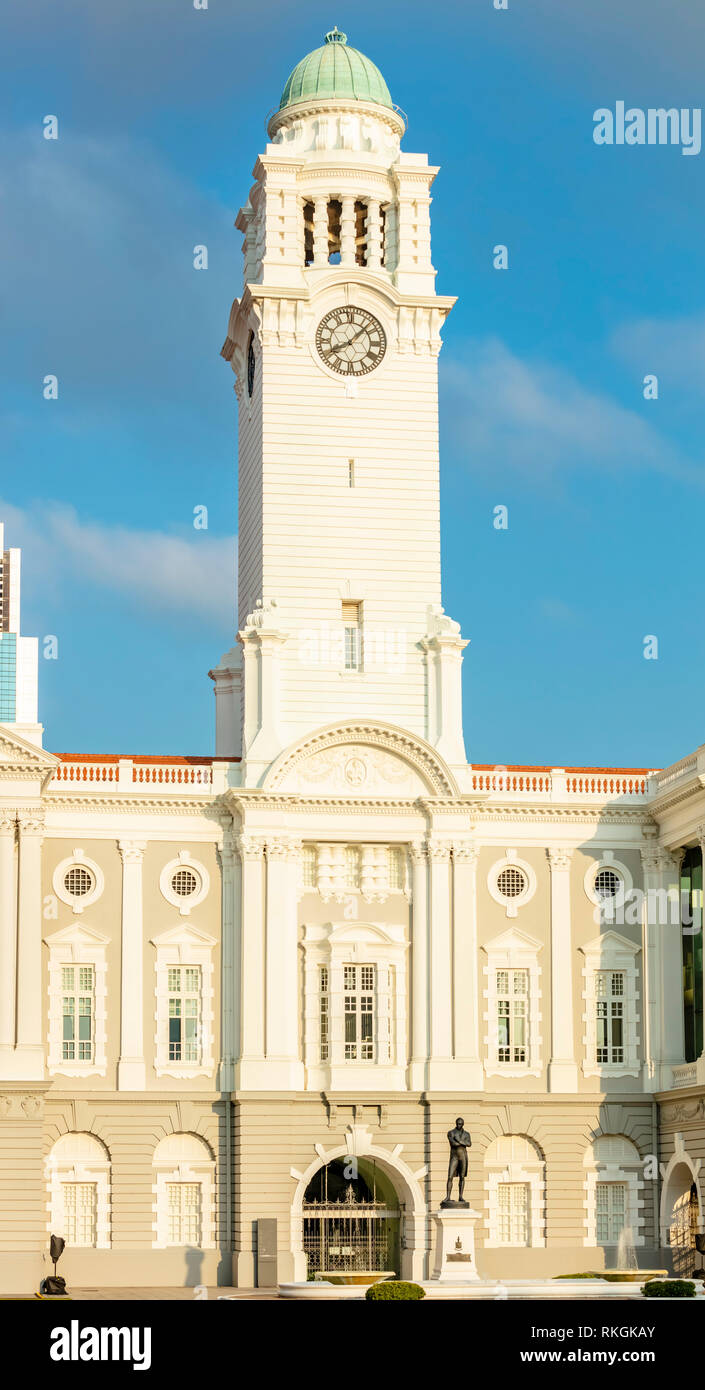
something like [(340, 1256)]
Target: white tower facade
[(18, 655), (334, 344)]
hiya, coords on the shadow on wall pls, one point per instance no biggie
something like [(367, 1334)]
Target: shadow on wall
[(194, 1266)]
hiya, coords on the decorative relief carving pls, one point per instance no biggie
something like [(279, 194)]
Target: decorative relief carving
[(132, 851), (250, 847), (559, 859), (394, 764), (16, 1106)]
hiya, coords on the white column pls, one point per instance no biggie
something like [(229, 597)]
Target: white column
[(374, 235), (320, 231), (8, 932), (347, 231), (131, 1066), (283, 1067), (651, 967), (562, 1068), (672, 1029), (230, 865), (466, 1001), (249, 1072), (419, 966), (29, 1058), (440, 1069)]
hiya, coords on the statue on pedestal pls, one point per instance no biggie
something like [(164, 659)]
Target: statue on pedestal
[(460, 1142)]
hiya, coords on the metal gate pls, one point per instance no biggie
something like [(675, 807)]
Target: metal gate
[(353, 1234)]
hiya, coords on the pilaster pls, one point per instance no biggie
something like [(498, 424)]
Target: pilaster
[(28, 1059), (132, 1075), (562, 1068)]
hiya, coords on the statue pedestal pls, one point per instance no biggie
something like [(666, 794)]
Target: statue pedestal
[(454, 1261)]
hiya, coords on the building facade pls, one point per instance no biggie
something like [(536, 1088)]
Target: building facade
[(260, 986)]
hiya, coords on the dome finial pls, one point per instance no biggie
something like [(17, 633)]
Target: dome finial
[(336, 36)]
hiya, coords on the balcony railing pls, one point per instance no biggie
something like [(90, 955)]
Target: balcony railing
[(168, 772), (561, 784)]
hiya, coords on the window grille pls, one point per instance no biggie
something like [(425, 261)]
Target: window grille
[(359, 1002), (513, 1213), (611, 1211), (609, 1005), (184, 883), (511, 882), (183, 1213), (352, 630), (512, 990), (607, 884), (78, 1010), (79, 1212), (184, 985), (78, 881)]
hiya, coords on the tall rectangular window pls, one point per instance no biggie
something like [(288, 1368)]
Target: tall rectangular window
[(359, 1004), (310, 866), (324, 1034), (184, 1013), (396, 866), (183, 1213), (351, 472), (609, 1022), (79, 1212), (78, 998), (352, 633), (611, 1211), (513, 1213), (512, 989)]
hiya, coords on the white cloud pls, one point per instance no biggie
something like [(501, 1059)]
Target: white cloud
[(672, 348), (167, 574), (541, 421)]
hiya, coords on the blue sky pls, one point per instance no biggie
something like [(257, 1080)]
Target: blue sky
[(162, 110)]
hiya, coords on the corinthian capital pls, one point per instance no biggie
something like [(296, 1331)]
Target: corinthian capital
[(464, 853), (559, 859), (439, 850), (132, 851), (31, 822)]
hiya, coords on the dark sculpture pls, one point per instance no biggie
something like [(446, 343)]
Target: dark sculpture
[(460, 1142), (54, 1286)]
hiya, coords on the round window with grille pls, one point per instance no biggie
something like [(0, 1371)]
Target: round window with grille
[(78, 881), (184, 883), (607, 884), (511, 882)]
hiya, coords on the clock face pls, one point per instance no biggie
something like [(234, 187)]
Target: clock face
[(250, 365), (351, 341)]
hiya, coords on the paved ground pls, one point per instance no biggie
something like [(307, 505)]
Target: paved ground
[(162, 1294)]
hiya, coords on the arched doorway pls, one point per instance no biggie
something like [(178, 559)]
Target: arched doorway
[(351, 1219), (680, 1215)]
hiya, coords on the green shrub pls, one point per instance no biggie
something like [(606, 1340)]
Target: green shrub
[(394, 1288), (669, 1288)]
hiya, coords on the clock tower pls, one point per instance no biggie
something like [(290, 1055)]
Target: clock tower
[(334, 343)]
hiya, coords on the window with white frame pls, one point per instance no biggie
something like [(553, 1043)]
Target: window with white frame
[(77, 1001), (609, 1016), (611, 1012), (359, 1012), (184, 1038), (78, 1181), (354, 980), (183, 1213), (613, 1191), (513, 1013), (513, 1213), (80, 1204), (352, 636), (309, 866), (324, 1004), (515, 1191), (610, 1211), (396, 865), (184, 1192), (78, 1007), (512, 994), (353, 866), (184, 983)]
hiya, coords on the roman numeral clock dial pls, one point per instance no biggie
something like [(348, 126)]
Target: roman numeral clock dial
[(351, 341)]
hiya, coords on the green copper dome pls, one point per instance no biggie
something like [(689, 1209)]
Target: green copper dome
[(336, 70)]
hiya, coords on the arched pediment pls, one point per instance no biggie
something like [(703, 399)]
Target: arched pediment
[(362, 759)]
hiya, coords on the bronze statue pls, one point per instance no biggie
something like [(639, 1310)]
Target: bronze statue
[(460, 1142)]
